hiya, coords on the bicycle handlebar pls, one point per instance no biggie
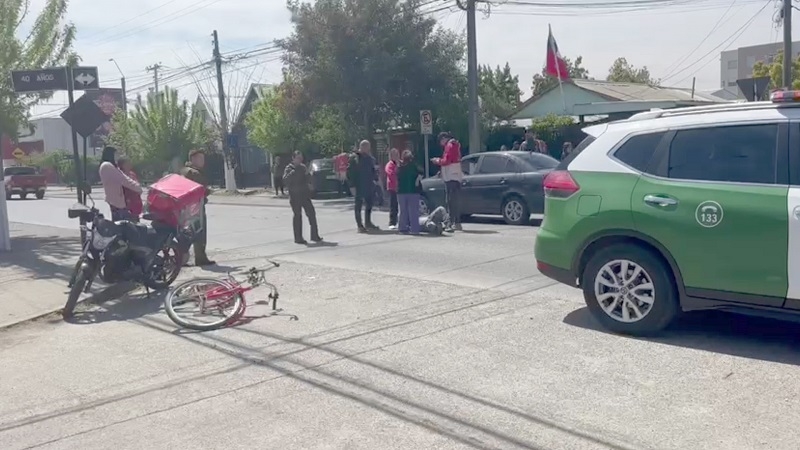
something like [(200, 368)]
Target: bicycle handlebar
[(255, 275)]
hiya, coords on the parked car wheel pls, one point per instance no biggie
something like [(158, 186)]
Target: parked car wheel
[(424, 206), (515, 211), (630, 290), (40, 195)]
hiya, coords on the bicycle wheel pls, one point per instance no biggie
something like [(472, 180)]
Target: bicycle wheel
[(215, 303)]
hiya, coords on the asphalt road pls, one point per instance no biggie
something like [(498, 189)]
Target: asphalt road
[(391, 342)]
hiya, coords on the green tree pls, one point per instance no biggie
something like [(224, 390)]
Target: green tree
[(624, 72), (163, 130), (775, 71), (48, 43), (330, 130), (271, 127), (500, 93), (379, 61), (542, 82)]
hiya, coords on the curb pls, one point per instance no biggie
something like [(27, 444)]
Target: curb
[(109, 293)]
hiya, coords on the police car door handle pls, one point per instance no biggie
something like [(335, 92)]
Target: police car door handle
[(655, 200)]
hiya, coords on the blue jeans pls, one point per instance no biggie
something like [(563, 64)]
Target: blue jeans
[(409, 213)]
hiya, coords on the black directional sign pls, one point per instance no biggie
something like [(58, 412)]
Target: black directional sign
[(754, 89), (52, 79), (84, 116), (85, 78)]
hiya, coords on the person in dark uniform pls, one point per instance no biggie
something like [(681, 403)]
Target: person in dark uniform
[(193, 171), (298, 181)]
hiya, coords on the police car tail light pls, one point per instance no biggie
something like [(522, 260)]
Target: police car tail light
[(785, 96), (560, 184)]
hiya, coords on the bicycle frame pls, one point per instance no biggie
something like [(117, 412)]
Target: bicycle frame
[(234, 289)]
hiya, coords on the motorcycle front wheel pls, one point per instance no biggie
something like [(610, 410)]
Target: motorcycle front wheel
[(166, 266), (81, 278)]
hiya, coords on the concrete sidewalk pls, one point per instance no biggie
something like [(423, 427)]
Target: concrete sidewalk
[(34, 275)]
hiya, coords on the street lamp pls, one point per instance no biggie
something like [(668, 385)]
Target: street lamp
[(122, 81)]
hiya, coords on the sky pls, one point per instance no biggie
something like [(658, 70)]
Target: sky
[(677, 40)]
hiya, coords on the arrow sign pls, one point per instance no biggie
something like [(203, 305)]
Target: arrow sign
[(85, 78)]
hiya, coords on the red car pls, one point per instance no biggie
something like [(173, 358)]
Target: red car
[(23, 181)]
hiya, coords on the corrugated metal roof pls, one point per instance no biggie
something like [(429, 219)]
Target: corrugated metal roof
[(642, 92)]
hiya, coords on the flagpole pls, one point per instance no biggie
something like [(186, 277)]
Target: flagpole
[(558, 69)]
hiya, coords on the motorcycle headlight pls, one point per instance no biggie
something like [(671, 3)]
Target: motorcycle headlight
[(99, 242)]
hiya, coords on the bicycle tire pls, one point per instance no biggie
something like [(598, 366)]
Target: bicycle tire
[(74, 294), (225, 320)]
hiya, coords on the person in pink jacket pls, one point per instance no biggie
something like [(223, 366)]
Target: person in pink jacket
[(114, 181), (451, 173), (391, 186)]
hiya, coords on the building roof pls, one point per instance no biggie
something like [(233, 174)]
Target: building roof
[(580, 97), (255, 93), (642, 92)]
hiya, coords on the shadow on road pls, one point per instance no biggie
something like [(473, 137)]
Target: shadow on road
[(133, 306), (45, 256), (720, 332)]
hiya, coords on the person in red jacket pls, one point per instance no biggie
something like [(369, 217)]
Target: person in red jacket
[(132, 199), (451, 173), (391, 186)]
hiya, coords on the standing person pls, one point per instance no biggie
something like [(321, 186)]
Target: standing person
[(391, 185), (340, 162), (362, 177), (298, 181), (194, 171), (132, 199), (529, 144), (114, 182), (277, 176), (566, 149), (450, 162), (409, 187), (516, 146)]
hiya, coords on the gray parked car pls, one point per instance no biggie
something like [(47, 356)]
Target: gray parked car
[(507, 184)]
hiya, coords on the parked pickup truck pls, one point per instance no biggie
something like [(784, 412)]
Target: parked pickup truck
[(23, 181)]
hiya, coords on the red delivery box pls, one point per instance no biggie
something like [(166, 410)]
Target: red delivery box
[(177, 201)]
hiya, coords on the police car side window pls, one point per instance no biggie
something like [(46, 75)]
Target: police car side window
[(740, 153), (638, 151)]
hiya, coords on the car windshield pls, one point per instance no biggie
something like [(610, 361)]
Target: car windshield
[(9, 171), (539, 162), (322, 164)]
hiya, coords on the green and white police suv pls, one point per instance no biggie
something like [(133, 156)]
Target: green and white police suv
[(679, 210)]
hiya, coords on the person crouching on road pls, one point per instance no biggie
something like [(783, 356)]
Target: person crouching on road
[(450, 162), (391, 186), (132, 199), (298, 181), (409, 187), (114, 183), (362, 178), (194, 171)]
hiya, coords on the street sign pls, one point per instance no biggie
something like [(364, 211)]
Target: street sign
[(18, 153), (425, 122), (754, 89), (52, 79), (85, 78), (84, 116)]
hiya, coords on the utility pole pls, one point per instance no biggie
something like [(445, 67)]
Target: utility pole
[(122, 83), (787, 44), (472, 77), (154, 68), (230, 177)]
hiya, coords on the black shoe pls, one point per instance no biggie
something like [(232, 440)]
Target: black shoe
[(316, 239), (361, 229), (372, 226), (204, 262), (301, 241)]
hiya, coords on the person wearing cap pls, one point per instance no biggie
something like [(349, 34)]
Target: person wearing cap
[(450, 162), (194, 171)]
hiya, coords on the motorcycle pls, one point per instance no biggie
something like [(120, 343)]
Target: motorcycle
[(121, 251)]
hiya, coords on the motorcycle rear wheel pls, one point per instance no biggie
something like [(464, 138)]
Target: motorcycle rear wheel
[(171, 262)]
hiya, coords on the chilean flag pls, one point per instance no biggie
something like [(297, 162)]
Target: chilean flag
[(556, 65)]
